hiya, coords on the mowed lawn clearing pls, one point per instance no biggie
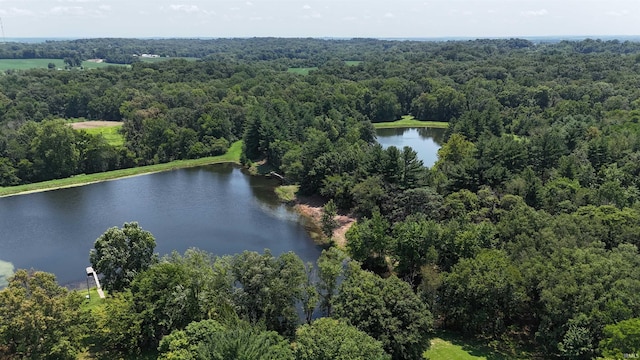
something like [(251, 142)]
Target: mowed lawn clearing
[(109, 129), (409, 121), (449, 346)]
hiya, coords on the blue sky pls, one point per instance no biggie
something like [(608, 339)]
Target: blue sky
[(313, 18)]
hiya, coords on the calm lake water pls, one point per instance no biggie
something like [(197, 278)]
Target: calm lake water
[(424, 141), (215, 208)]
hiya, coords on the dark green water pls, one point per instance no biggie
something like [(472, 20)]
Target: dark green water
[(215, 208)]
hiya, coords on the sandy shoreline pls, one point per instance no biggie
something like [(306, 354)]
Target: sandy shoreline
[(311, 208)]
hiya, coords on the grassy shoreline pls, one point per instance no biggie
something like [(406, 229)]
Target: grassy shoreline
[(232, 156), (410, 121)]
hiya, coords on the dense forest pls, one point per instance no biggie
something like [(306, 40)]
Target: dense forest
[(525, 232)]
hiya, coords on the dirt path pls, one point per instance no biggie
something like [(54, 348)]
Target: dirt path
[(311, 208)]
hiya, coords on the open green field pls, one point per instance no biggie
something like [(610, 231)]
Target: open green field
[(110, 133), (301, 71), (24, 64), (232, 156), (449, 346), (410, 121)]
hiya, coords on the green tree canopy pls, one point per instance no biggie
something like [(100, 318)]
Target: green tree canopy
[(386, 309), (120, 254), (39, 319), (328, 338), (621, 338)]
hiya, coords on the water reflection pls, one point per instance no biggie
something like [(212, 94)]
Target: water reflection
[(424, 141), (6, 271), (216, 208)]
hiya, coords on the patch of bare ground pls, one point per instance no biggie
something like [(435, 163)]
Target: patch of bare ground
[(311, 208), (95, 124)]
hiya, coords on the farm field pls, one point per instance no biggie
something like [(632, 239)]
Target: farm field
[(25, 64)]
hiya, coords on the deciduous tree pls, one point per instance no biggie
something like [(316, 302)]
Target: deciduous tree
[(121, 253)]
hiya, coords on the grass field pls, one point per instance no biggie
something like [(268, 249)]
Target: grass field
[(94, 300), (233, 155), (110, 133), (449, 346), (24, 64), (410, 121)]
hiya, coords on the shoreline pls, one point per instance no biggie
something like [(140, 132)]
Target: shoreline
[(410, 122), (104, 179), (232, 156), (311, 209)]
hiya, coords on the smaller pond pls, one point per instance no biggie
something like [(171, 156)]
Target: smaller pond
[(424, 141)]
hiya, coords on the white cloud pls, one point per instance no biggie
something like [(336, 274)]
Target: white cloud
[(68, 10), (617, 13), (316, 15), (249, 3), (389, 15), (105, 7), (184, 8), (541, 12), (306, 7), (16, 12)]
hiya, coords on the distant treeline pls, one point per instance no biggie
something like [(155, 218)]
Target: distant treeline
[(307, 52)]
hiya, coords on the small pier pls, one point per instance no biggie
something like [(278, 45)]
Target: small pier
[(91, 273)]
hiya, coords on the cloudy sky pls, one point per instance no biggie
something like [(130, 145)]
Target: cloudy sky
[(315, 18)]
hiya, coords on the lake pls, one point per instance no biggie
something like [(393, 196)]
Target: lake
[(216, 208), (425, 141)]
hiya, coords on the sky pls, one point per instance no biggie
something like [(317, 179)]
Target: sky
[(316, 18)]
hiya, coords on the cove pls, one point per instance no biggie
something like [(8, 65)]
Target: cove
[(216, 208), (424, 141)]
